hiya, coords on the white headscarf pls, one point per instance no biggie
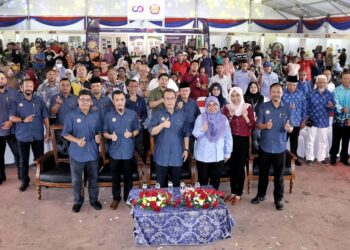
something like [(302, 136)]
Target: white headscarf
[(236, 109)]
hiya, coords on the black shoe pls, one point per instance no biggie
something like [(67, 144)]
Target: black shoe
[(97, 205), (325, 162), (76, 208), (333, 161), (308, 162), (258, 199), (345, 162), (298, 162), (279, 205), (23, 187)]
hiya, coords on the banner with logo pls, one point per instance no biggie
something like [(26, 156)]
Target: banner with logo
[(136, 45), (177, 40), (146, 10)]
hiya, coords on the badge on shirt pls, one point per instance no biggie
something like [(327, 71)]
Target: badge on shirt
[(114, 119), (78, 120), (267, 112), (20, 104), (162, 119)]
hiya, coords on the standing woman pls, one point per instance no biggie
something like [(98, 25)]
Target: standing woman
[(253, 96), (213, 143), (241, 118), (216, 90)]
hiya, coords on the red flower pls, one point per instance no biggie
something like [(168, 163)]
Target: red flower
[(206, 205), (215, 204), (133, 202), (156, 209), (154, 193), (203, 196), (143, 206), (153, 204)]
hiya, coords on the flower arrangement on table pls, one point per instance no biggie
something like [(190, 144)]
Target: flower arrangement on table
[(155, 200), (202, 198)]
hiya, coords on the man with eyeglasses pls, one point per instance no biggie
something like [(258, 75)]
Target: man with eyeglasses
[(82, 127), (171, 131), (7, 129), (63, 103), (29, 113)]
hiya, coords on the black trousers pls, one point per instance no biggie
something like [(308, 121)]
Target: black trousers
[(118, 168), (146, 144), (238, 161), (209, 173), (24, 153), (165, 172), (277, 161), (294, 139), (12, 142), (340, 133)]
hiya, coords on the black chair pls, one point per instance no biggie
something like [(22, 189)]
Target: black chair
[(52, 169), (253, 169)]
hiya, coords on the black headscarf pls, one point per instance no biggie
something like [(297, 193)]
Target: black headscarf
[(254, 99), (221, 99)]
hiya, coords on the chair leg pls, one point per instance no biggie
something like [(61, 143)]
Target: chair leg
[(38, 190), (291, 187)]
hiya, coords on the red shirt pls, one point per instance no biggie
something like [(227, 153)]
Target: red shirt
[(238, 124), (192, 81), (306, 65), (180, 67)]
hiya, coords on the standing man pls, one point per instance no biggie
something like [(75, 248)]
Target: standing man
[(101, 103), (181, 66), (223, 80), (82, 128), (243, 77), (296, 101), (121, 126), (319, 103), (266, 79), (274, 122), (81, 82), (155, 100), (341, 122), (303, 84), (29, 113), (170, 128), (63, 103), (7, 129), (207, 63), (159, 65)]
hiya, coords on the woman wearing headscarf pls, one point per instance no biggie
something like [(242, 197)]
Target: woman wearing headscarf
[(216, 90), (69, 75), (241, 119), (213, 144), (253, 96)]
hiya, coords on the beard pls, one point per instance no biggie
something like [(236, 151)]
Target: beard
[(28, 92)]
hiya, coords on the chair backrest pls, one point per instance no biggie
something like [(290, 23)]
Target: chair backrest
[(59, 144), (201, 103)]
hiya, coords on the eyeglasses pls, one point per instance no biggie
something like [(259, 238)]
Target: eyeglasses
[(84, 100), (68, 74)]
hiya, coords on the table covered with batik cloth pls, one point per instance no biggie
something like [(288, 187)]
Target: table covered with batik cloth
[(180, 225)]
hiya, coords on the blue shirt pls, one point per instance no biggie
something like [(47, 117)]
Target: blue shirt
[(156, 68), (68, 104), (29, 131), (243, 78), (298, 114), (317, 109), (191, 110), (87, 126), (140, 107), (342, 99), (7, 101), (102, 105), (207, 151), (114, 122), (273, 140), (267, 80), (207, 64), (169, 142), (305, 87)]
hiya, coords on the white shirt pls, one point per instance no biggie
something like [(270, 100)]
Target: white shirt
[(155, 84), (225, 82)]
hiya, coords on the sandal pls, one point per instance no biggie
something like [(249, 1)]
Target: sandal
[(229, 198)]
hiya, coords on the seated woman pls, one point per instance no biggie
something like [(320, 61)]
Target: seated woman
[(216, 90), (213, 143), (241, 118)]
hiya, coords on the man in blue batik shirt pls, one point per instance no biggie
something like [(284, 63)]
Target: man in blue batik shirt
[(121, 126), (303, 84), (274, 121), (295, 99), (341, 122), (82, 127), (319, 103), (170, 128)]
